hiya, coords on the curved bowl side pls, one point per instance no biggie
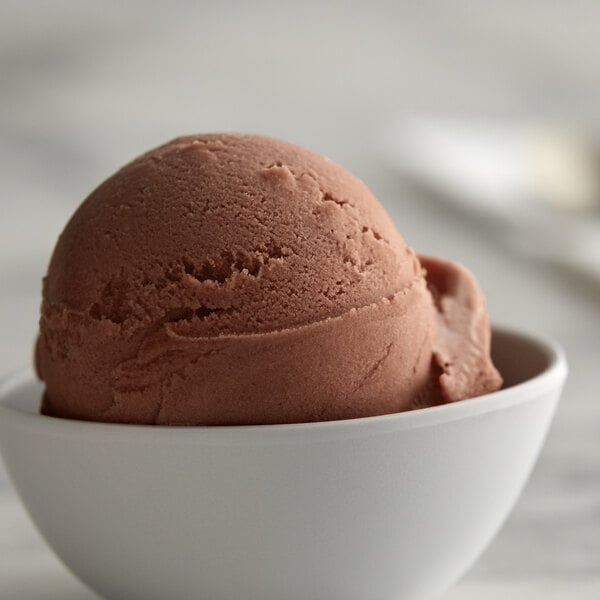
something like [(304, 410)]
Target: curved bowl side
[(388, 510)]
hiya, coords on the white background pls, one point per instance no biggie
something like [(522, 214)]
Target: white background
[(85, 86)]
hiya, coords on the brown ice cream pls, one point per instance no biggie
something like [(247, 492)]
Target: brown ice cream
[(238, 279)]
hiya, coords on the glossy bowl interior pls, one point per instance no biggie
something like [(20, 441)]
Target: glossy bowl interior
[(387, 507)]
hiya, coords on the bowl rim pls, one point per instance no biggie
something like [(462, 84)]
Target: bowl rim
[(551, 378)]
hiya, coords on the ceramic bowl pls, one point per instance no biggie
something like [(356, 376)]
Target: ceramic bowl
[(389, 507)]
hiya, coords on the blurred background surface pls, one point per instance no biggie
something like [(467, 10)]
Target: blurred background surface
[(477, 128)]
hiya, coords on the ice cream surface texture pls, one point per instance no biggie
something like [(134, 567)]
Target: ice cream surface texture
[(238, 279)]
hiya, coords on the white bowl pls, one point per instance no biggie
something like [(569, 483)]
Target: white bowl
[(388, 507)]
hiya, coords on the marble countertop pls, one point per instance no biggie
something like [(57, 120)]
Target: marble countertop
[(84, 88)]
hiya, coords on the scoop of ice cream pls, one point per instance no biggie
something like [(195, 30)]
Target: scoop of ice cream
[(237, 279)]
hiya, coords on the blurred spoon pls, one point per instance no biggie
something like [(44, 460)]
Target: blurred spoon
[(540, 184)]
